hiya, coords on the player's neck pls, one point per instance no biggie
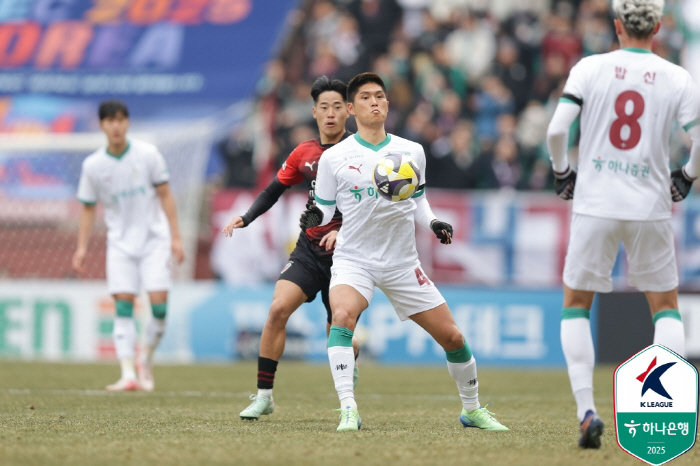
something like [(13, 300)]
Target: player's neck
[(117, 149), (630, 43), (325, 140), (373, 135)]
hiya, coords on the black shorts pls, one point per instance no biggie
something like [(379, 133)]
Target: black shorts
[(310, 271)]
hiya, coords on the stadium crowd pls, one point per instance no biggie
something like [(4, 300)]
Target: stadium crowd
[(474, 81)]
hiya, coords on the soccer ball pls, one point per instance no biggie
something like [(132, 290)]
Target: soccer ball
[(396, 177)]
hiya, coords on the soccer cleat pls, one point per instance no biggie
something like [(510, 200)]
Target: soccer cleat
[(481, 418), (145, 372), (261, 405), (123, 385), (591, 430), (349, 419), (355, 376)]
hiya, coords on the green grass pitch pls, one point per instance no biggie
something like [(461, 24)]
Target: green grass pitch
[(58, 414)]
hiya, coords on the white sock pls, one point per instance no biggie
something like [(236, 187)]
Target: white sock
[(124, 335), (577, 343), (669, 332), (342, 360), (154, 332), (464, 374), (265, 392)]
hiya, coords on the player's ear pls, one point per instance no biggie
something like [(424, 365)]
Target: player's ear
[(351, 110), (313, 111), (618, 27), (657, 27)]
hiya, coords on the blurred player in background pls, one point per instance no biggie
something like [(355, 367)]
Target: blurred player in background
[(377, 247), (309, 268), (130, 178), (628, 101)]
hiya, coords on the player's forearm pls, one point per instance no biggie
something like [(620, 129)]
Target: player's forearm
[(423, 214), (265, 200), (87, 219), (558, 135), (168, 202), (692, 168)]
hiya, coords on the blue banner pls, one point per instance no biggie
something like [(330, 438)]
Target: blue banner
[(503, 327), (203, 50)]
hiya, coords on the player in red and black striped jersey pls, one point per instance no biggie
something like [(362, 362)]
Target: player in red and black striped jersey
[(309, 268)]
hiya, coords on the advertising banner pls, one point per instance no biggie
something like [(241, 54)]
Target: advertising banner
[(215, 322), (500, 239), (155, 54)]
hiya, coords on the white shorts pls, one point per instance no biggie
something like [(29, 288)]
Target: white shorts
[(153, 270), (593, 247), (409, 290)]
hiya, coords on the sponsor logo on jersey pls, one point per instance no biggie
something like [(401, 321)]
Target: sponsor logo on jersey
[(369, 192), (310, 165), (356, 168)]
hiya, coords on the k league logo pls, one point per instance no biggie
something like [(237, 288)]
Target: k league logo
[(656, 405)]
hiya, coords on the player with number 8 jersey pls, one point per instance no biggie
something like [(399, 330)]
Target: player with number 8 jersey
[(628, 100)]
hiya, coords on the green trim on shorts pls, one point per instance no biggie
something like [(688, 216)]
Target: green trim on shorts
[(159, 310), (670, 313), (575, 313), (124, 308), (460, 355), (340, 336)]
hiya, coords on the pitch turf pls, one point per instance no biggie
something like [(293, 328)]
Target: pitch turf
[(56, 414)]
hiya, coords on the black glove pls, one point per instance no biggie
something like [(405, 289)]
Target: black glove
[(564, 184), (311, 217), (680, 185), (442, 230), (311, 200)]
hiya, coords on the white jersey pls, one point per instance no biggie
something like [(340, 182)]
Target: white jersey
[(376, 233), (629, 100), (125, 185)]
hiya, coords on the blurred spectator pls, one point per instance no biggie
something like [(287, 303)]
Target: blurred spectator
[(474, 81), (490, 102), (449, 165), (472, 46)]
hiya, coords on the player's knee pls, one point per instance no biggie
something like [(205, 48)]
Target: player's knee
[(342, 318), (280, 312), (453, 340)]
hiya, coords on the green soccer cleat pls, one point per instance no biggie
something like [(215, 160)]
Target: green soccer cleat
[(349, 419), (261, 405), (355, 376), (481, 418)]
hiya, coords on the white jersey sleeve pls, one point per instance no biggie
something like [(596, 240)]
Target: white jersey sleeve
[(158, 170), (576, 85), (326, 188), (689, 106), (87, 193)]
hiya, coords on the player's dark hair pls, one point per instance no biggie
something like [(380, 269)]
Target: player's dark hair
[(325, 84), (361, 79), (110, 108)]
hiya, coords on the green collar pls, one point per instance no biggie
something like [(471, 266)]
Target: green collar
[(637, 50), (374, 147), (118, 156)]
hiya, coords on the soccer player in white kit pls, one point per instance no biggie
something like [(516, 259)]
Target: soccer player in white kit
[(628, 100), (376, 246), (130, 178)]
